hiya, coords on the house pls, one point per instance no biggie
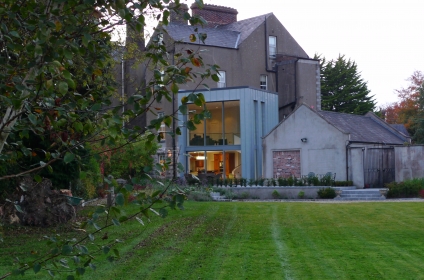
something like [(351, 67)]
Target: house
[(258, 53), (228, 144), (354, 147)]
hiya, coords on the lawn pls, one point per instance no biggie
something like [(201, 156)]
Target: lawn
[(262, 240)]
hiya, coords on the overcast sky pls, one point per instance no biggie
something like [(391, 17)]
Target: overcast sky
[(384, 37)]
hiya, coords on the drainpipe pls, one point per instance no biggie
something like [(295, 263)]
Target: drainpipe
[(174, 165), (266, 54), (347, 159)]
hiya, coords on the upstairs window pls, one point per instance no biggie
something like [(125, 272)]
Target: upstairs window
[(162, 129), (264, 82), (221, 83), (272, 46)]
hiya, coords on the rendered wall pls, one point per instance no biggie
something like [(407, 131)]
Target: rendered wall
[(324, 151), (409, 162)]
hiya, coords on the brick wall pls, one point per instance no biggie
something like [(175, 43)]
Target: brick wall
[(215, 15), (286, 163)]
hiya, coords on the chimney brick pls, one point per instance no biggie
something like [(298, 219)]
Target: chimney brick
[(178, 17), (215, 15)]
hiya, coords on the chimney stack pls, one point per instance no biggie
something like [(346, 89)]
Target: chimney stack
[(215, 15)]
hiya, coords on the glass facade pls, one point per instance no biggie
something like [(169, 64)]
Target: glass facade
[(217, 164), (223, 128)]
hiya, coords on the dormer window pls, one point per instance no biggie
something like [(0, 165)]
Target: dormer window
[(272, 44)]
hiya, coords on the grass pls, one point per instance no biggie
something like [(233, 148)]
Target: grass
[(258, 240)]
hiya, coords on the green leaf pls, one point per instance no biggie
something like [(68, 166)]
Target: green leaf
[(116, 222), (38, 178), (14, 34), (70, 277), (36, 268), (78, 126), (116, 252), (119, 199), (66, 249), (68, 157), (92, 266), (106, 249), (91, 237), (18, 208), (80, 271), (51, 273), (156, 193), (33, 119), (174, 88), (163, 212), (63, 88)]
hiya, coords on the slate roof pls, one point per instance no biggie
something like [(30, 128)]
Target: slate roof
[(364, 128), (227, 36), (401, 128)]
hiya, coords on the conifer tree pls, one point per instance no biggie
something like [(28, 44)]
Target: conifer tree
[(342, 88)]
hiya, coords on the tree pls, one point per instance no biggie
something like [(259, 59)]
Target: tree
[(409, 110), (342, 88), (55, 85)]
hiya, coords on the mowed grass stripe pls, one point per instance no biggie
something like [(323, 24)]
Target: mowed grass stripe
[(267, 240)]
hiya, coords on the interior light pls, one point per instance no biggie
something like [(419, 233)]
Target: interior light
[(200, 157)]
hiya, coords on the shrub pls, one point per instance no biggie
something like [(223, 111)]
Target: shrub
[(244, 195), (408, 188), (275, 194), (326, 193), (343, 183), (282, 181), (301, 194), (199, 196)]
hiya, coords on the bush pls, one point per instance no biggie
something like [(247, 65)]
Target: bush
[(326, 193), (301, 194), (244, 195), (275, 194), (343, 183), (406, 189), (199, 196)]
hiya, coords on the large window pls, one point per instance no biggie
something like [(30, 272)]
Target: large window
[(222, 128), (215, 164), (264, 82), (222, 82), (272, 46)]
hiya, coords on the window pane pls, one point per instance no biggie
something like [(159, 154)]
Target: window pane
[(231, 123), (195, 137), (214, 124), (263, 82), (272, 46), (222, 82)]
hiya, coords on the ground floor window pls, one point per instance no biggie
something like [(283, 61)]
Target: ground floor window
[(221, 164)]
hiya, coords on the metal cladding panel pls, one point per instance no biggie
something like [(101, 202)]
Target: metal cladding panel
[(248, 122)]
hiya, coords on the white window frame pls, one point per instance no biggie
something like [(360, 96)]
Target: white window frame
[(222, 79), (263, 82), (272, 46)]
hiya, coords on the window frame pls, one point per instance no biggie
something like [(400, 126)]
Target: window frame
[(272, 47), (265, 85)]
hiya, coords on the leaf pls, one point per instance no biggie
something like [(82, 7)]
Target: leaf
[(154, 211), (116, 222), (70, 277), (119, 199), (33, 119), (80, 271), (14, 34), (196, 62), (92, 266), (36, 268), (63, 88), (116, 252), (174, 88), (139, 220), (91, 237), (18, 208), (51, 273), (68, 157), (106, 249), (163, 212), (66, 249), (192, 38), (38, 178)]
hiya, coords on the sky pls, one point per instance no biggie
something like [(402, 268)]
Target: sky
[(384, 37)]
